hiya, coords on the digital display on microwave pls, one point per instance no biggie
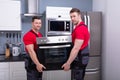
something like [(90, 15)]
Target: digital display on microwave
[(56, 26)]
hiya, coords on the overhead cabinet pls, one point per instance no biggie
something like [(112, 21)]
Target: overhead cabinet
[(58, 12), (10, 15)]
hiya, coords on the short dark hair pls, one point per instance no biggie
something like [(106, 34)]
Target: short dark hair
[(75, 10), (35, 17)]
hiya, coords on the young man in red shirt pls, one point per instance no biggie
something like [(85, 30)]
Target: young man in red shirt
[(79, 54), (32, 65)]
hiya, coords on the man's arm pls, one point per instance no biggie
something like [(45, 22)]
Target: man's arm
[(73, 54), (75, 50), (34, 58)]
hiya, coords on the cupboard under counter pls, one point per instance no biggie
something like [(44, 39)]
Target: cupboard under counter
[(12, 71)]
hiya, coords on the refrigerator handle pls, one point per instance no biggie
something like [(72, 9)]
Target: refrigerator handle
[(95, 69), (88, 18), (85, 19), (92, 72)]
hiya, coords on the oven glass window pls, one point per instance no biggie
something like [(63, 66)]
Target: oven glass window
[(55, 55), (56, 26)]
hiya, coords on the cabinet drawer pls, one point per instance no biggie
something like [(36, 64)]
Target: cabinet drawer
[(4, 65), (17, 66)]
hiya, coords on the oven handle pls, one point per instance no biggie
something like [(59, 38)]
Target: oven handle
[(60, 46)]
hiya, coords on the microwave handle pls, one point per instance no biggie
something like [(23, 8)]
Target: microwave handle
[(60, 46), (65, 26)]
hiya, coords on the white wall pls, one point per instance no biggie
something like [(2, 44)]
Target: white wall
[(111, 39)]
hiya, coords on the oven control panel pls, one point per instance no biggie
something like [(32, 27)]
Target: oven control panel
[(54, 39)]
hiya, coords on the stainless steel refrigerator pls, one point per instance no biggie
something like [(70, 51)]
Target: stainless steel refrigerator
[(94, 22)]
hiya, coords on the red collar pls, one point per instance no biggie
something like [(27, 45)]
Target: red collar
[(81, 23)]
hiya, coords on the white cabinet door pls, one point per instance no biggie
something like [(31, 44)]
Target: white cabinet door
[(17, 71), (58, 12), (10, 15), (57, 75), (4, 71)]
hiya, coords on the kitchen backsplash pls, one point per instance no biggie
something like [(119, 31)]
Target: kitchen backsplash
[(12, 38)]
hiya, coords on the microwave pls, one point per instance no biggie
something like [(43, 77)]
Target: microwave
[(58, 27)]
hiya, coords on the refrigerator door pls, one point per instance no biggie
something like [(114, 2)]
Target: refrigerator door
[(93, 69), (94, 22), (92, 75), (94, 64)]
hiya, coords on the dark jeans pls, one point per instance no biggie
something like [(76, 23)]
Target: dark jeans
[(34, 75), (77, 74), (79, 65)]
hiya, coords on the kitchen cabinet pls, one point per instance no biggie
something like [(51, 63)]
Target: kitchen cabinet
[(12, 71), (58, 12), (57, 75), (10, 15), (17, 71), (4, 71)]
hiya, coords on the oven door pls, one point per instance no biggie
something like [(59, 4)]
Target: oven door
[(53, 56)]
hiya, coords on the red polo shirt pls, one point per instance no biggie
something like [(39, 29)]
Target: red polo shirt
[(30, 38), (81, 32)]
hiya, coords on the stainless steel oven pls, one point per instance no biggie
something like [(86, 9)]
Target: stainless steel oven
[(58, 27), (53, 51)]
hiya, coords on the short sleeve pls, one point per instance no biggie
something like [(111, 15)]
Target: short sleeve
[(28, 39), (80, 33)]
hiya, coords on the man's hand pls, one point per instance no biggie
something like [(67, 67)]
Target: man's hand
[(40, 67), (66, 66)]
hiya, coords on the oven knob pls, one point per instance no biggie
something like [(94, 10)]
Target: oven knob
[(45, 40), (59, 39), (66, 39), (41, 40)]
